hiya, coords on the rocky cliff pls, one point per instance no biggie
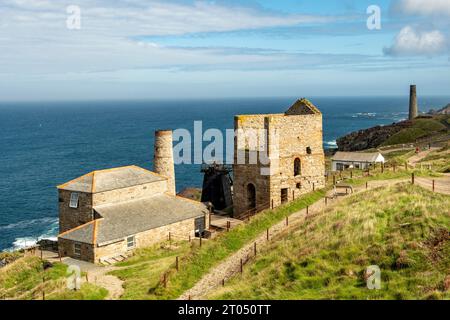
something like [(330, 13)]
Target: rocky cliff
[(423, 128), (370, 138)]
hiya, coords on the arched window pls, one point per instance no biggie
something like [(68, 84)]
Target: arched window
[(251, 196), (297, 167), (308, 150)]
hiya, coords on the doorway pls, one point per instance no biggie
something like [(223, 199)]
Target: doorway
[(284, 195)]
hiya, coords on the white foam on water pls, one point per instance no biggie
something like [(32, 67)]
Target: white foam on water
[(29, 241), (25, 224), (331, 143)]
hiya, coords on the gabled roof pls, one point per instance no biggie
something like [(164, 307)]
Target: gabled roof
[(128, 218), (358, 156), (302, 107), (111, 179)]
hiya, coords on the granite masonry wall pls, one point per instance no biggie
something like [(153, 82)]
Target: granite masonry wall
[(288, 138)]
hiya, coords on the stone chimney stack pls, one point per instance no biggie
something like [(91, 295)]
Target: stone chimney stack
[(163, 158), (413, 110)]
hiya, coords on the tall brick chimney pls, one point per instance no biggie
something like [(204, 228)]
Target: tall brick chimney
[(413, 110), (163, 158)]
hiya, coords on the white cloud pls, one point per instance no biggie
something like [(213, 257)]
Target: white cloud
[(410, 42), (424, 7), (38, 41)]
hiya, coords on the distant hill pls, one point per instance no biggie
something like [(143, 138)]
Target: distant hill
[(422, 128)]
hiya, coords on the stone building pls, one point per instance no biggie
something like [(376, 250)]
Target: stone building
[(355, 160), (290, 157), (106, 213)]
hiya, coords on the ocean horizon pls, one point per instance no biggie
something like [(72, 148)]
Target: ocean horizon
[(44, 144)]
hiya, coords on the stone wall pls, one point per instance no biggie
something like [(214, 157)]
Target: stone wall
[(288, 138), (179, 231), (70, 218), (163, 158), (66, 249), (130, 193)]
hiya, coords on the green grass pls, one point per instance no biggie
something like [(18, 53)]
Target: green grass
[(24, 279), (399, 157), (388, 174), (440, 159), (142, 275), (419, 129), (402, 229), (143, 271), (87, 292)]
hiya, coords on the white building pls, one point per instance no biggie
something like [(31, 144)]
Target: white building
[(355, 160)]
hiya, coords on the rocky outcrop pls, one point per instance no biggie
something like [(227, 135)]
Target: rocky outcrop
[(444, 110), (370, 138)]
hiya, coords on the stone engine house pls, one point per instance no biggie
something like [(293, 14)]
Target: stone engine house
[(107, 213), (294, 162)]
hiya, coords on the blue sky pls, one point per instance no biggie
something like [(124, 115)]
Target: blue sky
[(144, 49)]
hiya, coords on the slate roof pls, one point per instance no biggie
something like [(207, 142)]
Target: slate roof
[(132, 217), (356, 156), (302, 107), (111, 179)]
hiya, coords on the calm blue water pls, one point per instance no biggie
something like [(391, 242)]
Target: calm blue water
[(45, 144)]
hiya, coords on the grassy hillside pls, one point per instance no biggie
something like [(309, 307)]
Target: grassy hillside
[(439, 159), (419, 129), (142, 275), (402, 229), (23, 279)]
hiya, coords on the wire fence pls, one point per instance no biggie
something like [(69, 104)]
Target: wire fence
[(332, 179)]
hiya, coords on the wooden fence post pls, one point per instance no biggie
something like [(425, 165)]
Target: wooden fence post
[(177, 265), (367, 184), (412, 178), (242, 266), (314, 186), (223, 282), (293, 194), (200, 240), (228, 225), (307, 210), (272, 204), (433, 185), (334, 179), (267, 234), (254, 248), (351, 174), (287, 221), (326, 200), (43, 288)]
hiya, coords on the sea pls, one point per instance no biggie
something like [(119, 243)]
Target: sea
[(44, 144)]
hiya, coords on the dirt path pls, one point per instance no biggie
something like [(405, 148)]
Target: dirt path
[(231, 265), (441, 185), (96, 274), (111, 283), (415, 159)]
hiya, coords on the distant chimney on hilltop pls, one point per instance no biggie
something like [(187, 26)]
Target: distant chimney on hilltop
[(413, 109)]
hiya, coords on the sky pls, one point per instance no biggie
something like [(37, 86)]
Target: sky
[(163, 49)]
